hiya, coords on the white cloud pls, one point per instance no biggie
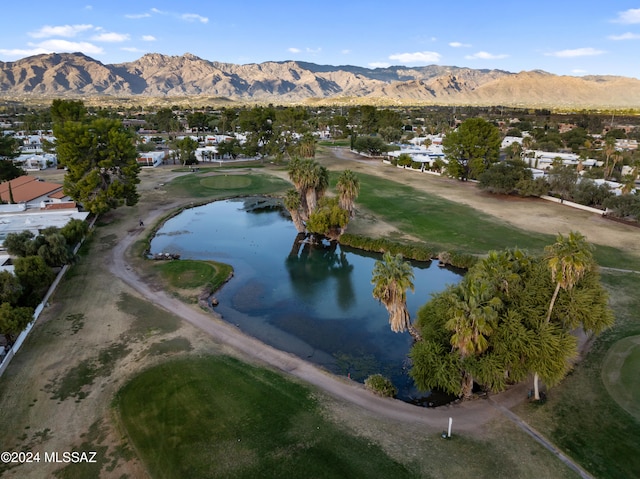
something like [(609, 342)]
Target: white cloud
[(21, 52), (486, 56), (187, 17), (294, 50), (346, 51), (629, 16), (625, 36), (194, 17), (67, 31), (148, 38), (459, 45), (313, 50), (379, 65), (57, 45), (577, 52), (416, 57), (135, 16), (132, 49), (578, 71), (111, 37)]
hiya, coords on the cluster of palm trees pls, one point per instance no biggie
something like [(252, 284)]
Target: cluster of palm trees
[(311, 180), (502, 322)]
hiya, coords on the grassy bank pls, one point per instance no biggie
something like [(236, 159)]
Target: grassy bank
[(448, 226), (191, 274), (217, 417)]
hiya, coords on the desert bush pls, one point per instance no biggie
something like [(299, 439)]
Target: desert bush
[(381, 386)]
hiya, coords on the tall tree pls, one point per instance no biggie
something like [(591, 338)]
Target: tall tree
[(186, 150), (348, 187), (391, 278), (8, 147), (293, 204), (307, 146), (474, 314), (569, 259), (100, 157), (472, 148), (310, 180), (10, 288), (609, 149)]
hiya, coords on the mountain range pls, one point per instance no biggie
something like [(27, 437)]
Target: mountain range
[(155, 75)]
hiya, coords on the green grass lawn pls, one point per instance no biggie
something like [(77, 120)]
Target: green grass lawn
[(620, 371), (191, 274), (203, 185), (446, 225), (217, 417)]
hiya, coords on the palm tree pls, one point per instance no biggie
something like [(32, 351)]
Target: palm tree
[(474, 309), (292, 203), (568, 259), (348, 187), (311, 181), (307, 146), (609, 149), (315, 182), (628, 184), (391, 278)]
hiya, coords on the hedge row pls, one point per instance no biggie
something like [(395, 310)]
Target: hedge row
[(409, 250)]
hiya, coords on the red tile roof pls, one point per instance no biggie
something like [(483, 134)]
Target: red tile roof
[(26, 188)]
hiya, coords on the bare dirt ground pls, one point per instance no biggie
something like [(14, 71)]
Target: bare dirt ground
[(57, 394)]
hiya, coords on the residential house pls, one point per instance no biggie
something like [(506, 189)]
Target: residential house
[(32, 192)]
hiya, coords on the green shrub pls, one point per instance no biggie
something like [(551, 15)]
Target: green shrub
[(380, 385), (415, 251), (457, 259)]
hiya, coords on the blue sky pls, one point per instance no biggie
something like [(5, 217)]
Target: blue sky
[(566, 37)]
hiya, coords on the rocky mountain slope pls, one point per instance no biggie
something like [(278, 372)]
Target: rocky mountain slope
[(157, 75)]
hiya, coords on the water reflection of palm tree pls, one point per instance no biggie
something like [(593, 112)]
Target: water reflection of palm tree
[(312, 262)]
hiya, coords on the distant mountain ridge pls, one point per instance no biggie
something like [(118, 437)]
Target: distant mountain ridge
[(158, 75)]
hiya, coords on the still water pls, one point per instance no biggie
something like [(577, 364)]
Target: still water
[(314, 301)]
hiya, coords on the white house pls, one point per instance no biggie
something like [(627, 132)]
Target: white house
[(35, 162), (420, 154), (151, 159), (544, 159)]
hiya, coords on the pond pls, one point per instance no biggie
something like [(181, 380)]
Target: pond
[(314, 301)]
